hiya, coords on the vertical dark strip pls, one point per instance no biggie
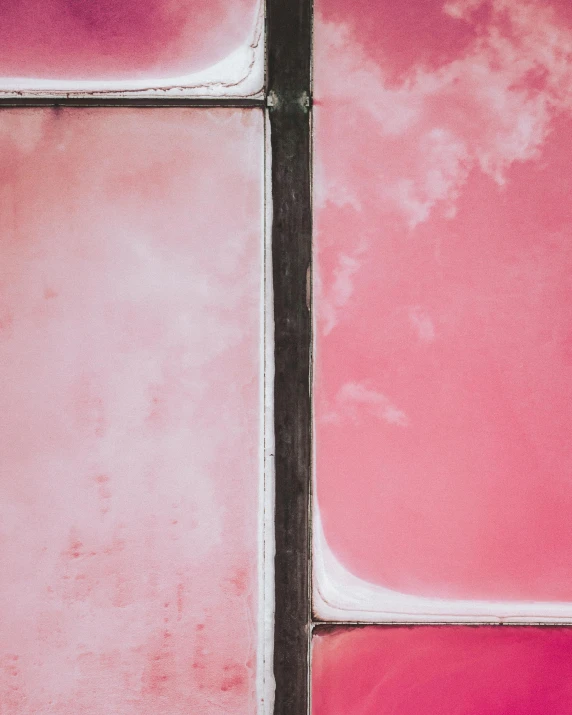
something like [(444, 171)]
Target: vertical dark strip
[(289, 41)]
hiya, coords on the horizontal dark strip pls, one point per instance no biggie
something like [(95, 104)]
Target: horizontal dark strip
[(139, 102)]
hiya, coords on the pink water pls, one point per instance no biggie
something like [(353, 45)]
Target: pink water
[(444, 294), (443, 670), (129, 410), (119, 39)]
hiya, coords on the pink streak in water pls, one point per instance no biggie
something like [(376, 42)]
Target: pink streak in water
[(119, 39), (130, 336), (444, 295), (443, 670)]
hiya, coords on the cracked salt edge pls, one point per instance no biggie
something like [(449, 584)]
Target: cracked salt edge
[(339, 595), (240, 74)]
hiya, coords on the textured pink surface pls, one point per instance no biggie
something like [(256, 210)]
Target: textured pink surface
[(119, 39), (443, 671), (444, 294), (129, 410)]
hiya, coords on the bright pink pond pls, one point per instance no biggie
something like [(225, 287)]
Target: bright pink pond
[(443, 381), (443, 671), (129, 410)]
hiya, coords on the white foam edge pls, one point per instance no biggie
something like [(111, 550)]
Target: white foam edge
[(340, 596), (266, 542), (240, 74)]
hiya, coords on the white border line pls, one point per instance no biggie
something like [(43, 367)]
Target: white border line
[(265, 649)]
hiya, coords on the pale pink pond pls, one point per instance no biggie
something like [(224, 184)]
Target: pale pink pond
[(130, 419)]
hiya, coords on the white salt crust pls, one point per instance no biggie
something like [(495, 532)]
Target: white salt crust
[(338, 595)]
